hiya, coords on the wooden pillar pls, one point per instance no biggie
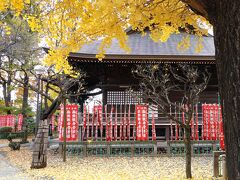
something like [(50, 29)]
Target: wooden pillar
[(167, 135), (104, 96)]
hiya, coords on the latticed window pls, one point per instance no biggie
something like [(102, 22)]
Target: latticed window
[(124, 97)]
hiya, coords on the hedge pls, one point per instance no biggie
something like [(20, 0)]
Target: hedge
[(6, 129)]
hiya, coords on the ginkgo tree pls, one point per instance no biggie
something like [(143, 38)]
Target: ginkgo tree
[(68, 24)]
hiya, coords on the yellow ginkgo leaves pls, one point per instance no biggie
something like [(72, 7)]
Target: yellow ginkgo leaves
[(110, 168), (69, 24)]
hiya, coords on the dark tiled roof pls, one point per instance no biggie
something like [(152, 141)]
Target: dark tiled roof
[(144, 45)]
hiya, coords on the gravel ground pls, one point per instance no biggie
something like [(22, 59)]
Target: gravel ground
[(3, 143), (97, 168)]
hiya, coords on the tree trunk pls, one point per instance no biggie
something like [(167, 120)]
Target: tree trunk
[(9, 90), (4, 85), (188, 152), (39, 159), (64, 130), (45, 98), (227, 45), (6, 96), (25, 106), (25, 96)]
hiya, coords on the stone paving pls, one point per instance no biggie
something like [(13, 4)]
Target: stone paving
[(7, 171)]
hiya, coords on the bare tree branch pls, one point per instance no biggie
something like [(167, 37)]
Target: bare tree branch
[(159, 83), (35, 89)]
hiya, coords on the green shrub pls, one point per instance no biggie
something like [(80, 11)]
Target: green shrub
[(30, 124), (12, 136), (6, 129), (14, 146), (4, 135)]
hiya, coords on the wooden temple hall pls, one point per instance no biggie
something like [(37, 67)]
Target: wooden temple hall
[(112, 77)]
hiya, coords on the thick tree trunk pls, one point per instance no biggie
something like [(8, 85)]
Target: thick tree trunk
[(188, 153), (227, 44), (39, 159)]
